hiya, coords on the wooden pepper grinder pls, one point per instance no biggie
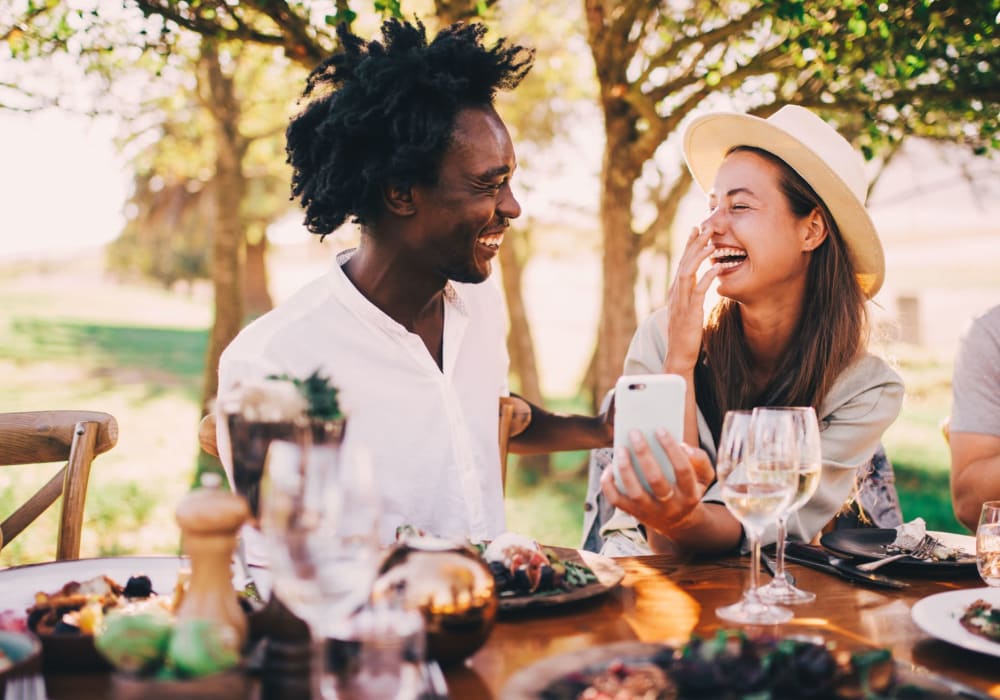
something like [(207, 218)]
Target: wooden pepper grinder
[(210, 519)]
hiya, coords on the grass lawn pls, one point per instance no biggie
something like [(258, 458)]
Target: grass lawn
[(77, 340)]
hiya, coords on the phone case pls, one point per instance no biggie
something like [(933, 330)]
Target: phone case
[(647, 402)]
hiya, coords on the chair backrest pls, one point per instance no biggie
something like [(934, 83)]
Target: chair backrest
[(38, 437), (515, 415)]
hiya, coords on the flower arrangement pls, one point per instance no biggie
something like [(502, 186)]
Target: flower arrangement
[(319, 394)]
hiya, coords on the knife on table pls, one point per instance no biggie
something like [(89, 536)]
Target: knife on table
[(772, 569), (818, 558)]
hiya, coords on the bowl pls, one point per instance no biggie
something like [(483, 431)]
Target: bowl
[(71, 653), (227, 685), (452, 588), (25, 653)]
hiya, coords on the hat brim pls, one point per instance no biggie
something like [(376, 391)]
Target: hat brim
[(709, 138)]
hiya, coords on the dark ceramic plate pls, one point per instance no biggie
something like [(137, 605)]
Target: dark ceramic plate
[(869, 543), (609, 575)]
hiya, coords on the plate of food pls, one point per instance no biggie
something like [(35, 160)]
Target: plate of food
[(951, 552), (530, 575), (968, 618), (63, 602), (730, 665)]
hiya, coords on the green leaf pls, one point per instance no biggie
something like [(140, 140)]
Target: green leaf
[(389, 7), (346, 16)]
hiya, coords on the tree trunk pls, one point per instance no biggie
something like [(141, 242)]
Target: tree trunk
[(256, 295), (227, 234), (520, 343), (620, 264)]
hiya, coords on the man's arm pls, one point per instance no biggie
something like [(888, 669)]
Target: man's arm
[(556, 432), (975, 474)]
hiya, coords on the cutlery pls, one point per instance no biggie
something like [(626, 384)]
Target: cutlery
[(25, 688), (769, 565), (249, 585), (433, 685), (921, 551), (818, 558)]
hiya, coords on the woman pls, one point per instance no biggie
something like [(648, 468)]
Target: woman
[(796, 257)]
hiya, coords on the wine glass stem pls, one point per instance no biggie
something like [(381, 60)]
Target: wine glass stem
[(779, 549), (755, 565)]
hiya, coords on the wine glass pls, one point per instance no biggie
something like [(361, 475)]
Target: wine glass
[(809, 468), (757, 482), (319, 515), (988, 543)]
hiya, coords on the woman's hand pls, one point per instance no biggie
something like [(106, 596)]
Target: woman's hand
[(671, 504), (686, 304)]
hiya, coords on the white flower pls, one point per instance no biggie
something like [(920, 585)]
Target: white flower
[(268, 401)]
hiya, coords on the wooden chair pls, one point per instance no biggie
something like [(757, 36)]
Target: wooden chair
[(38, 437), (515, 415)]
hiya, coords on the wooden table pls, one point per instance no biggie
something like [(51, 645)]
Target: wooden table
[(663, 600)]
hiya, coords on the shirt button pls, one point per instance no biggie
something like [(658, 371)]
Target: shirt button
[(588, 506)]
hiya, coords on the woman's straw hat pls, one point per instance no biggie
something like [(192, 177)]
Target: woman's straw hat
[(815, 151)]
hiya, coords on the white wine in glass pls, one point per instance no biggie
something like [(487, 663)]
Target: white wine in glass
[(756, 487), (988, 543), (809, 467)]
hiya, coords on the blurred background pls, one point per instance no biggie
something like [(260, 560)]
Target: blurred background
[(145, 214)]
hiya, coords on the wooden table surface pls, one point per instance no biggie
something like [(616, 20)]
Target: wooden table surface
[(663, 600)]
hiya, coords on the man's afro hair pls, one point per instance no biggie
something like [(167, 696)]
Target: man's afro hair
[(383, 113)]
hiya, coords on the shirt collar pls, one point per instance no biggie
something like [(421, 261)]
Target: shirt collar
[(345, 290)]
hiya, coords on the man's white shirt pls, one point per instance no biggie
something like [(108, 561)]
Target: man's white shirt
[(431, 432)]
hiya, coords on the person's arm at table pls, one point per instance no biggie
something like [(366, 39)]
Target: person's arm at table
[(975, 474), (975, 418), (555, 432)]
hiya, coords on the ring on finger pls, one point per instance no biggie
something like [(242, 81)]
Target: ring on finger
[(665, 497)]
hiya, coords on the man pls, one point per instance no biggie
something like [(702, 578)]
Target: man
[(402, 137), (974, 428)]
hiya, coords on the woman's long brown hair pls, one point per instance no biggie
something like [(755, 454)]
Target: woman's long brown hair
[(831, 334)]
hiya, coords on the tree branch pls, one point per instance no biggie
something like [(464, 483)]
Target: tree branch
[(209, 28), (710, 38), (666, 205)]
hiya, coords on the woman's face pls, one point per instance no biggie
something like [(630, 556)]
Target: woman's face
[(761, 248)]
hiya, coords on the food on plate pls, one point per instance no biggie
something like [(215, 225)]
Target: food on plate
[(731, 665), (521, 566), (135, 642), (910, 535), (982, 619), (79, 607), (642, 680), (202, 647), (152, 643), (13, 621)]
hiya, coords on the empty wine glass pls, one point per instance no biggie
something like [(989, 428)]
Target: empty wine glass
[(808, 467), (319, 515), (757, 483), (988, 543)]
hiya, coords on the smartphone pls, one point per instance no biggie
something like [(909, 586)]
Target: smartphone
[(646, 402)]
